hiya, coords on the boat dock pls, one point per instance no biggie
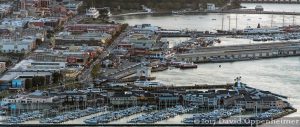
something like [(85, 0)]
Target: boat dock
[(252, 11), (240, 52), (125, 72)]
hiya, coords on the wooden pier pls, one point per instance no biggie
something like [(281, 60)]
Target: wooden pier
[(241, 52)]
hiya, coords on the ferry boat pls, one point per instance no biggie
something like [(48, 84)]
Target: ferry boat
[(178, 12), (176, 64), (92, 13), (187, 66)]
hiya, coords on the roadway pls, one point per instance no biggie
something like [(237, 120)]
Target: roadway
[(85, 77)]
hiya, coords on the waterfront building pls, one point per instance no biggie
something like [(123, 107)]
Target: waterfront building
[(72, 97), (34, 101), (145, 29), (2, 67), (92, 13), (211, 7), (73, 6), (6, 79), (102, 28), (31, 65), (72, 55), (195, 99), (24, 45), (123, 99), (141, 41), (168, 100), (89, 38), (251, 102)]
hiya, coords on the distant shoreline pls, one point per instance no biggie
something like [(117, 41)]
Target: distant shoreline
[(237, 11)]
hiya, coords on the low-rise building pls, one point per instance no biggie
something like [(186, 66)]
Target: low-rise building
[(5, 9), (119, 99), (145, 29), (72, 55), (17, 23), (168, 100), (260, 102), (211, 7), (34, 101), (25, 45), (16, 79), (102, 28), (73, 6), (2, 67), (31, 65), (89, 38), (141, 41)]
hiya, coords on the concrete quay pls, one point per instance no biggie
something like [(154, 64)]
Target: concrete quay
[(240, 52), (125, 72)]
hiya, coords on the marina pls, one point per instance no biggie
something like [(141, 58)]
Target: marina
[(212, 117), (161, 115), (24, 117), (72, 115), (108, 117)]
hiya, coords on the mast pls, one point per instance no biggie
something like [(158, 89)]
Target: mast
[(229, 23), (236, 19), (283, 20), (222, 21), (272, 20), (293, 20)]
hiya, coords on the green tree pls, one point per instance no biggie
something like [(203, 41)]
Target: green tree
[(38, 81), (28, 84), (57, 77), (95, 71)]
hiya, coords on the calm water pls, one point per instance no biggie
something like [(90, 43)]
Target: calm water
[(279, 75), (205, 22)]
